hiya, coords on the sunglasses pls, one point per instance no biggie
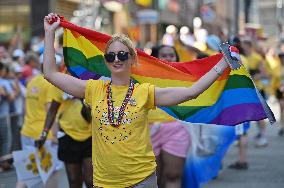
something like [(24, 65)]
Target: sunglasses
[(121, 56)]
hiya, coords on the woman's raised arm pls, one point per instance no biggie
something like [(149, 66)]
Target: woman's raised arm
[(176, 95), (67, 83)]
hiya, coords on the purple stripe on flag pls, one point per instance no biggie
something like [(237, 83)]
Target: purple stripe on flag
[(237, 113), (89, 75)]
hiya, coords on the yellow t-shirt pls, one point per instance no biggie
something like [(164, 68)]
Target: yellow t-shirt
[(35, 107), (252, 63), (160, 116), (185, 55), (244, 60), (70, 118), (210, 52), (275, 70), (122, 156)]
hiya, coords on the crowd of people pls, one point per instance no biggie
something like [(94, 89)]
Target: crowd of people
[(34, 112)]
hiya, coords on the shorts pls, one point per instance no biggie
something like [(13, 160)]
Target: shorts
[(149, 182), (242, 129), (263, 94), (172, 137), (72, 151), (279, 94)]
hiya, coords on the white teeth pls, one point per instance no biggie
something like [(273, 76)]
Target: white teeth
[(117, 65)]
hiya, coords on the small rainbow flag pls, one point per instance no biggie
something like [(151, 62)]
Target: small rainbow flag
[(231, 100)]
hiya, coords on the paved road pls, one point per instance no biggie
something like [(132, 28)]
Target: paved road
[(266, 165), (8, 180)]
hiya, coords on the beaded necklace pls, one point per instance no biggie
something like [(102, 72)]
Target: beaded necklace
[(122, 107)]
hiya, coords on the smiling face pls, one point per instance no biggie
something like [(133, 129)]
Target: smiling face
[(119, 66), (167, 54)]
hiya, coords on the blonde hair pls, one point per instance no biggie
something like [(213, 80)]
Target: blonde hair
[(126, 41)]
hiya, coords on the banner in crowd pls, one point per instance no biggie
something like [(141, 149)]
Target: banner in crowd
[(26, 168), (209, 145), (232, 99), (35, 165), (46, 161)]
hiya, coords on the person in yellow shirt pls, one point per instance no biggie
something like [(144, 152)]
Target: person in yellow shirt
[(280, 93), (242, 162), (256, 67), (122, 152), (212, 45), (186, 52), (274, 70), (170, 139), (74, 137), (35, 114), (35, 109)]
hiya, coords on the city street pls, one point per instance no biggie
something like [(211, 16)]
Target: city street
[(265, 165), (128, 57)]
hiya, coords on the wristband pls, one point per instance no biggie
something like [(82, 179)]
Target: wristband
[(218, 70), (44, 133), (87, 105)]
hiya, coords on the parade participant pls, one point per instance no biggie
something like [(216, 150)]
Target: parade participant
[(30, 68), (7, 95), (170, 139), (17, 105), (212, 45), (281, 130), (242, 129), (241, 132), (35, 113), (74, 141), (256, 68), (122, 151), (274, 70)]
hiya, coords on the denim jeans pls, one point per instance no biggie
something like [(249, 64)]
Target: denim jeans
[(4, 143), (149, 182)]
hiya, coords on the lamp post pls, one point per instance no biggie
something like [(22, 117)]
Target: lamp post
[(247, 4), (279, 17), (236, 17)]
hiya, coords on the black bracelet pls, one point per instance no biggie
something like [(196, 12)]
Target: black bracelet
[(44, 133)]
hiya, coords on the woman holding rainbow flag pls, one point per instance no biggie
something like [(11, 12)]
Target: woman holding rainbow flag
[(122, 152)]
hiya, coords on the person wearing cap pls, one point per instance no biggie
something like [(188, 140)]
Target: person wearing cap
[(17, 105), (4, 58), (256, 67), (242, 129), (18, 56), (36, 107), (31, 64), (278, 83), (7, 95), (74, 135), (212, 45)]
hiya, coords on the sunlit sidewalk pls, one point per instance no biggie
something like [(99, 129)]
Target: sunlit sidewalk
[(266, 165)]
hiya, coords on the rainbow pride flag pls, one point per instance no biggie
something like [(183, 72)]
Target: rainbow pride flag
[(231, 100)]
